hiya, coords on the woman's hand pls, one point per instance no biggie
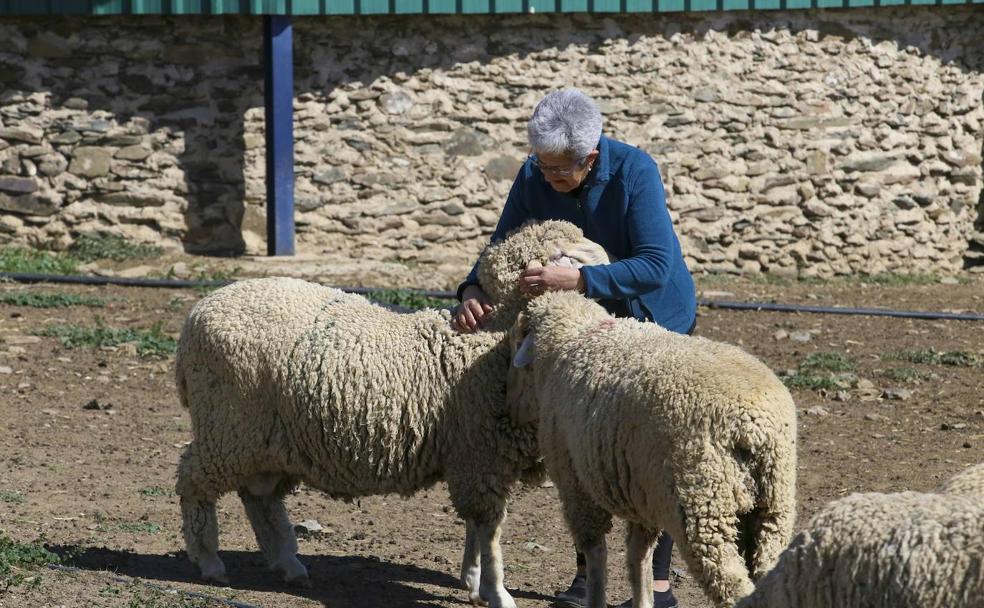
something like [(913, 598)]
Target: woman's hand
[(468, 316), (535, 281)]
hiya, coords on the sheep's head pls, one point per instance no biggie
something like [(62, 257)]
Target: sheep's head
[(549, 243)]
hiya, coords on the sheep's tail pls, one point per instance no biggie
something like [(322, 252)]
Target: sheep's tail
[(765, 529)]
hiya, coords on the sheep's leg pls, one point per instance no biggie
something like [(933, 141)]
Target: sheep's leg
[(588, 524), (639, 558), (491, 588), (200, 528), (471, 569), (271, 524), (199, 524)]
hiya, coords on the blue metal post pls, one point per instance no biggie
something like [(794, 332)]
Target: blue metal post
[(279, 93)]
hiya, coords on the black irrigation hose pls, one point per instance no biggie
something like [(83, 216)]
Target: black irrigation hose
[(842, 310), (22, 277)]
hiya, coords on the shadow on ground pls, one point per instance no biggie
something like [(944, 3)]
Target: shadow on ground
[(350, 581)]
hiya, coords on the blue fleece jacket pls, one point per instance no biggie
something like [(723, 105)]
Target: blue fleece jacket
[(622, 207)]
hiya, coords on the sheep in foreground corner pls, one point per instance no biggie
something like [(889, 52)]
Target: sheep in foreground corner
[(666, 431), (873, 550), (289, 381)]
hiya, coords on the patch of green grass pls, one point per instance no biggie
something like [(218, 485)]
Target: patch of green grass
[(817, 382), (23, 555), (955, 358), (35, 261), (215, 276), (110, 590), (155, 491), (92, 247), (49, 300), (139, 527), (154, 598), (151, 342), (828, 362), (408, 299), (904, 374), (822, 371), (11, 497)]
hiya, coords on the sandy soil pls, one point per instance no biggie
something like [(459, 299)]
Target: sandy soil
[(96, 484)]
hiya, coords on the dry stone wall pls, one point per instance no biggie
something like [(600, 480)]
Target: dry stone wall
[(806, 142)]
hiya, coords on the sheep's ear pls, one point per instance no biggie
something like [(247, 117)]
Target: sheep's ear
[(524, 354), (520, 397)]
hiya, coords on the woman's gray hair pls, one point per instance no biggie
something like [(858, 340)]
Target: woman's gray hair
[(565, 122)]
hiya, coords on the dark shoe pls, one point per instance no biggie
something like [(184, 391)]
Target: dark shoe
[(661, 599), (576, 595)]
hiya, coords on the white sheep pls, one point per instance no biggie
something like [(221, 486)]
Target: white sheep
[(874, 550), (666, 431), (289, 381)]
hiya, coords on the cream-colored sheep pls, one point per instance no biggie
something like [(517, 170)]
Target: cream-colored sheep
[(289, 381), (666, 431), (873, 550)]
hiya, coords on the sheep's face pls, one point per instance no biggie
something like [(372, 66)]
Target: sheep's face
[(550, 243), (520, 393)]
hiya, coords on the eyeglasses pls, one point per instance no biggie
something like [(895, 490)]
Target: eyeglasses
[(561, 171)]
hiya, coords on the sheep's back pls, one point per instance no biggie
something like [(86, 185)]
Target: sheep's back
[(241, 333), (638, 407)]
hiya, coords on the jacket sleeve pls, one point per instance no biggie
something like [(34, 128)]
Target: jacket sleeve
[(652, 243), (514, 213)]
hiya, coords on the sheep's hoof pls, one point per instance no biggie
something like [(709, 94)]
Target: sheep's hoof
[(213, 570), (476, 599)]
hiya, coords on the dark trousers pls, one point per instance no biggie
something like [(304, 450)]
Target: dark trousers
[(664, 547)]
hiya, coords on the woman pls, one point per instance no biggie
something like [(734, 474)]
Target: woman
[(614, 193)]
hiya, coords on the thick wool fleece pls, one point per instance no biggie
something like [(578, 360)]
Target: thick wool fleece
[(288, 381), (903, 550), (668, 431), (286, 376)]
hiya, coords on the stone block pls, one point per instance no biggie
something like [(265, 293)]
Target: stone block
[(89, 161), (28, 204), (17, 185)]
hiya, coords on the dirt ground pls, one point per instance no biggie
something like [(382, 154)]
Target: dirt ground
[(96, 484)]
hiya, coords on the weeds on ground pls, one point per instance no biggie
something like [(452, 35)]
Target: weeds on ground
[(49, 300), (955, 358), (35, 261), (155, 491), (151, 342), (16, 556), (11, 497), (904, 374), (92, 247), (822, 371), (146, 597), (139, 527), (408, 299), (154, 598)]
